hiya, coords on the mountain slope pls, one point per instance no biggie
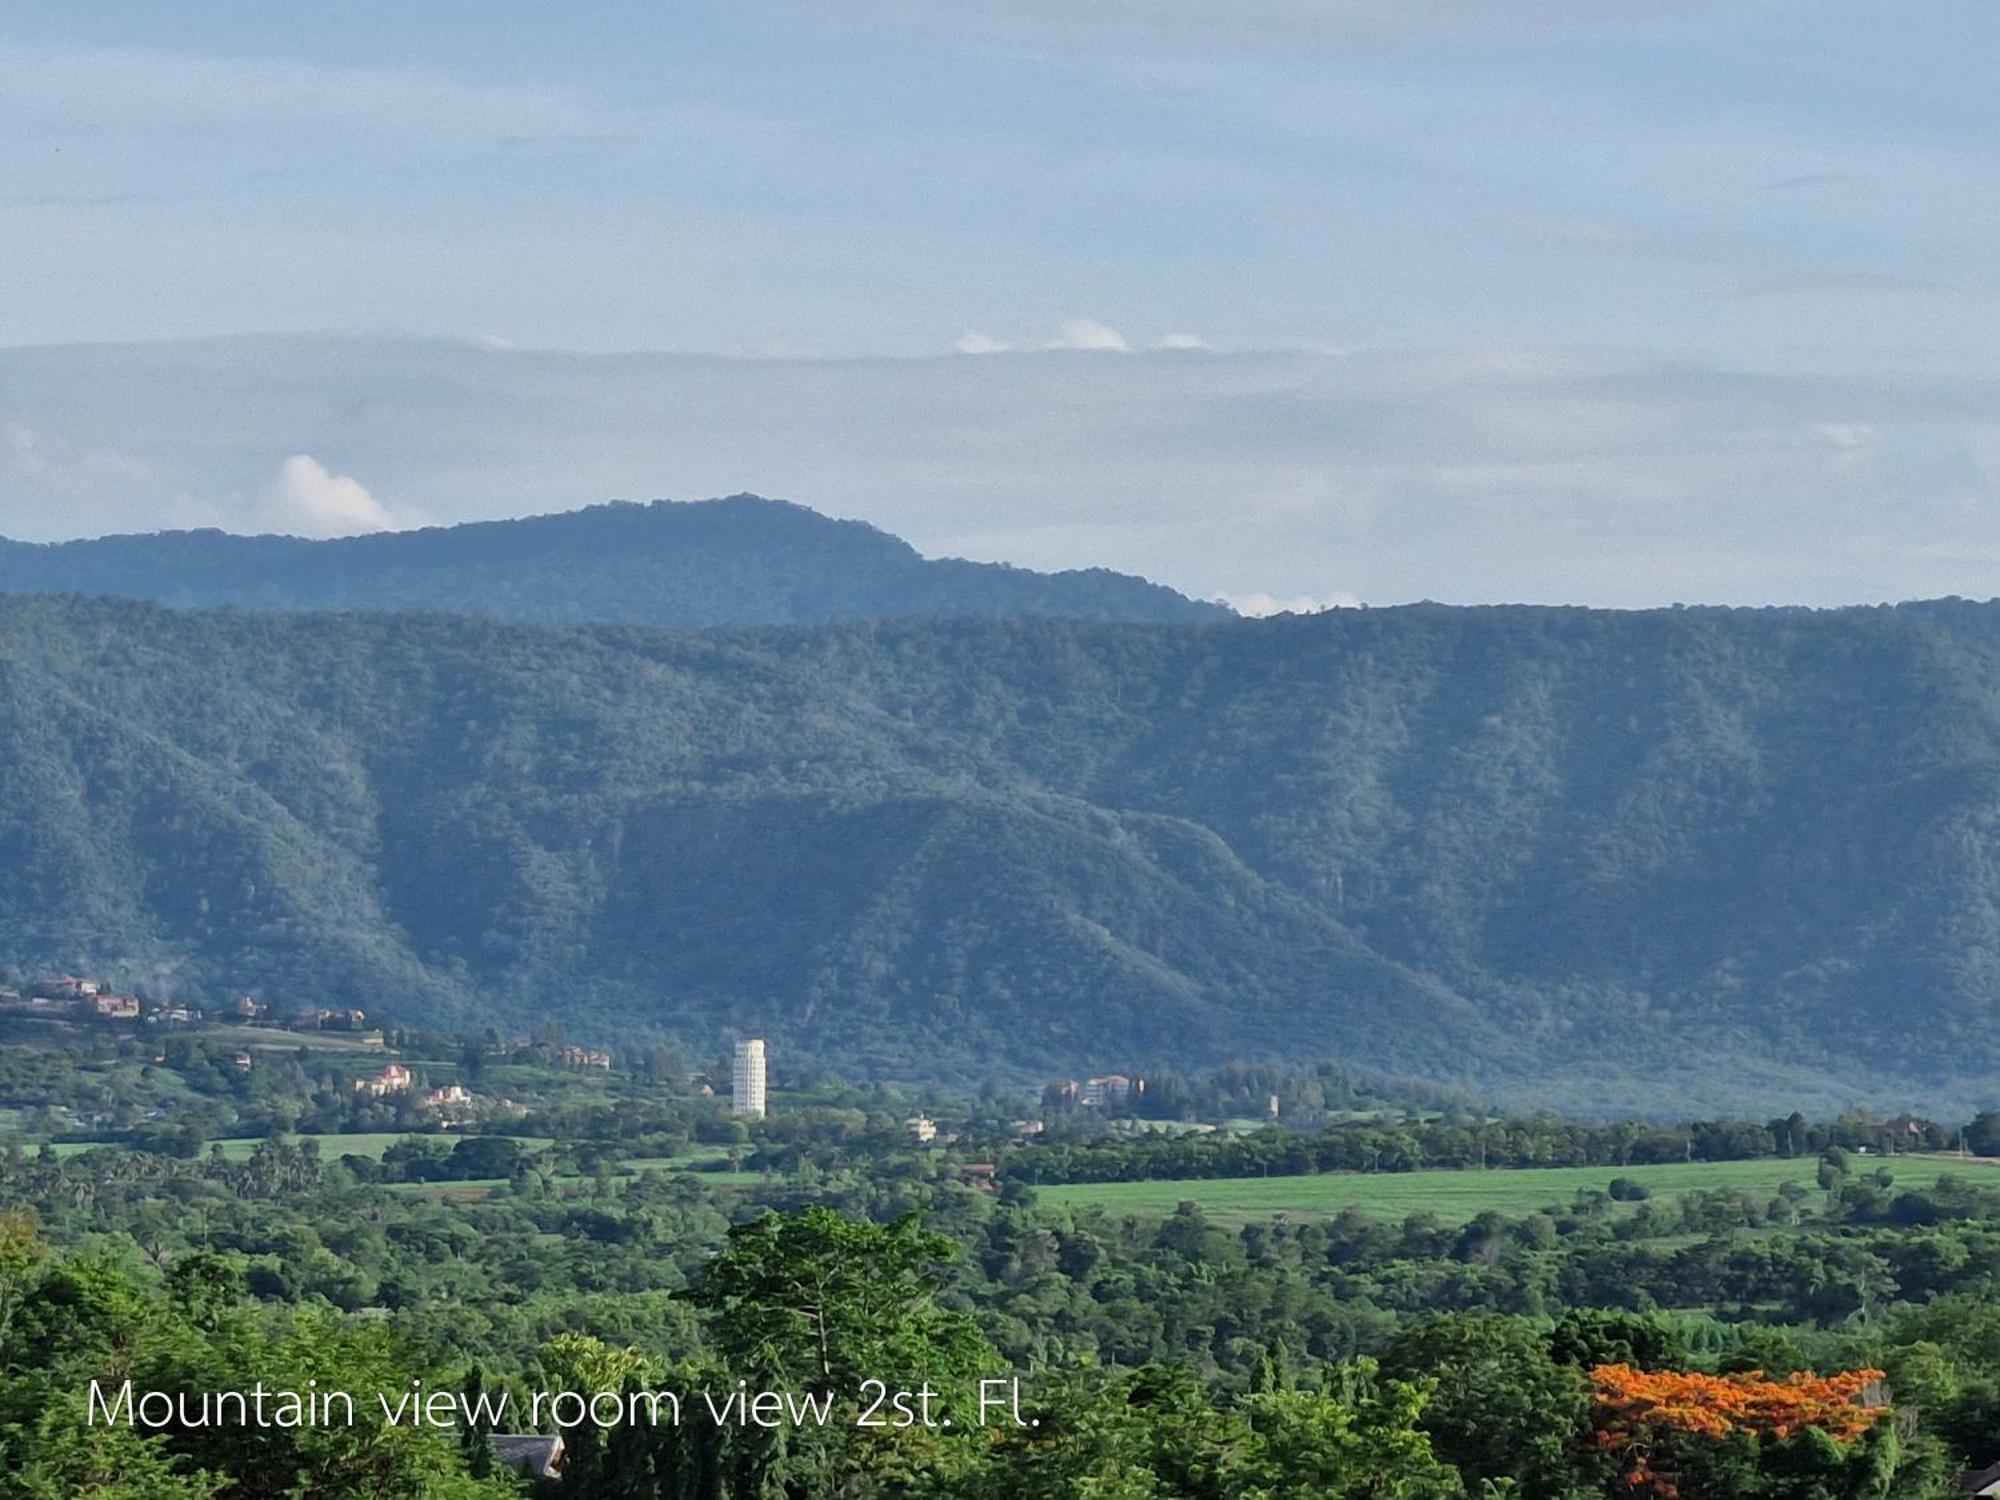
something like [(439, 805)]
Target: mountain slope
[(1678, 858), (740, 561)]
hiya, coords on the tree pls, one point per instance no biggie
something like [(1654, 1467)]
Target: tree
[(71, 1460), (1982, 1136), (1157, 1435), (1588, 1336), (22, 1252), (1363, 1445), (822, 1303), (1733, 1437), (1500, 1407)]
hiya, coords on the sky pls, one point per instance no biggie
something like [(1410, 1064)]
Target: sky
[(1292, 302)]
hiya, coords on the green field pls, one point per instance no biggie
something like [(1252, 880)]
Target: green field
[(273, 1039), (1458, 1196)]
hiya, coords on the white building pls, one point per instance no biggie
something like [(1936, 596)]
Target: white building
[(746, 1080)]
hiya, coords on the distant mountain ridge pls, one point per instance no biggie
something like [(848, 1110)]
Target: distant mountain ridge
[(740, 561)]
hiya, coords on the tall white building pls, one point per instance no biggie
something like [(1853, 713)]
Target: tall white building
[(746, 1080)]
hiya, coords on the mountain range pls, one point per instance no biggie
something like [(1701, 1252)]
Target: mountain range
[(740, 561), (1607, 860)]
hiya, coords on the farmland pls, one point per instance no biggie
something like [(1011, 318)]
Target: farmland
[(1456, 1196)]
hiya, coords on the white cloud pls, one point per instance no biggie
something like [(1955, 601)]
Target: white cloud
[(1088, 333), (972, 341), (307, 499), (1259, 605), (1180, 341)]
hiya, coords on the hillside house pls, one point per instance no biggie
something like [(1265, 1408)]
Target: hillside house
[(65, 987), (1112, 1088), (393, 1079), (983, 1175), (112, 1007)]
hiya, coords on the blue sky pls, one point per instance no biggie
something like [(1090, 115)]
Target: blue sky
[(1656, 207)]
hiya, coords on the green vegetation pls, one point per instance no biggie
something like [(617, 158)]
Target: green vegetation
[(1166, 1356), (740, 561), (1559, 856), (1417, 1329), (1455, 1197)]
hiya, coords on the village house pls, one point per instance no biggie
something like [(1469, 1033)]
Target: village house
[(169, 1015), (1112, 1088), (241, 1061), (64, 987), (922, 1128), (244, 1008), (983, 1175), (112, 1007), (583, 1057), (393, 1079)]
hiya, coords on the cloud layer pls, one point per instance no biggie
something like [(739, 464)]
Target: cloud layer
[(1279, 479), (1285, 28)]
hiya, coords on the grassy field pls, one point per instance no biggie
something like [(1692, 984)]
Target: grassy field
[(1458, 1196), (272, 1039)]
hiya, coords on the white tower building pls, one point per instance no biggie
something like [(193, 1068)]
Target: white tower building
[(746, 1080)]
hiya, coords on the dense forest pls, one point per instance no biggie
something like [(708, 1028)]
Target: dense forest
[(206, 1227), (1816, 1344), (740, 561), (1610, 859)]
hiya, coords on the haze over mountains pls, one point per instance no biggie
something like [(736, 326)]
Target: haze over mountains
[(1495, 473), (739, 561), (1622, 860)]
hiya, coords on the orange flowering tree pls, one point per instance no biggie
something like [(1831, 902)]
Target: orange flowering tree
[(1666, 1429)]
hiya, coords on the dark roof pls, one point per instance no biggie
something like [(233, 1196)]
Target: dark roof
[(531, 1453)]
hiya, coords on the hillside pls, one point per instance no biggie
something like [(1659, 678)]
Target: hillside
[(740, 561), (1651, 860)]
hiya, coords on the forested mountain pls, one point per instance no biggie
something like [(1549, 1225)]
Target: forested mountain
[(740, 561), (1565, 855)]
